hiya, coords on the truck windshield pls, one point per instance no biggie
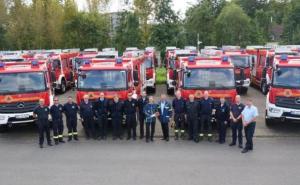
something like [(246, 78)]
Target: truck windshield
[(22, 82), (288, 77), (102, 80), (240, 61), (209, 78)]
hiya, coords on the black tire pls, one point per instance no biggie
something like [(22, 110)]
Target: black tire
[(3, 128), (268, 122), (63, 86), (244, 91), (170, 91), (264, 87)]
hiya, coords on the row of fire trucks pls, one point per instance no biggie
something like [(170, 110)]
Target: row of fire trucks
[(40, 73)]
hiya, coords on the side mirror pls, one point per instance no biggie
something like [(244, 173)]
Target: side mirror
[(188, 73)]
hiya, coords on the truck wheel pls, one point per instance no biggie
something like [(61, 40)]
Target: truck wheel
[(3, 128), (244, 90), (63, 86), (154, 89), (170, 91), (268, 122), (264, 88)]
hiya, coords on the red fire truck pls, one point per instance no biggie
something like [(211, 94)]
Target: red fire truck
[(22, 84), (62, 70), (214, 74), (242, 71), (111, 76), (173, 63), (150, 63), (283, 99)]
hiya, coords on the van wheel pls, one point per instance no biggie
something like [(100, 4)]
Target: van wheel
[(63, 86), (3, 128), (264, 88)]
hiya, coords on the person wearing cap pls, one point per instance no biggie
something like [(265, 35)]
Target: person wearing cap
[(101, 113), (71, 110), (165, 113), (41, 114), (179, 106), (56, 111), (192, 114), (249, 116), (236, 121), (151, 112), (87, 117), (116, 110), (142, 101), (206, 111), (130, 108), (222, 116)]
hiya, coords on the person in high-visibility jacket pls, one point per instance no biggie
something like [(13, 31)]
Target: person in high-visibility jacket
[(56, 112)]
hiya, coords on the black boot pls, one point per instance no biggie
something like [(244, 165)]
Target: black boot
[(75, 137), (56, 141), (61, 140), (69, 138), (176, 135)]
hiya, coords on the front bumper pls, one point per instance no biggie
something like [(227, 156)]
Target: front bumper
[(274, 112), (170, 84), (17, 118), (243, 83), (150, 83)]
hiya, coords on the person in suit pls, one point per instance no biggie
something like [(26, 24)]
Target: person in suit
[(151, 113), (165, 113)]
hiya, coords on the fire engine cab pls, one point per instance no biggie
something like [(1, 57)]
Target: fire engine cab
[(22, 84), (214, 74), (150, 62), (283, 99), (111, 76)]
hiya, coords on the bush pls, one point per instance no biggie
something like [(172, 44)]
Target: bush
[(161, 75)]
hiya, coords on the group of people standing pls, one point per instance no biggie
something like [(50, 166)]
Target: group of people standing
[(192, 115)]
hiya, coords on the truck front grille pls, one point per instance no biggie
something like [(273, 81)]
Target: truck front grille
[(288, 102), (18, 107)]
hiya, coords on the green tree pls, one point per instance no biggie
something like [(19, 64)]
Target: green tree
[(70, 13), (3, 23), (291, 23), (251, 6), (233, 26)]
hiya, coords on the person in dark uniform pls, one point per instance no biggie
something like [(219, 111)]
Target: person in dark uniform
[(130, 107), (165, 113), (179, 115), (87, 117), (151, 113), (116, 110), (206, 111), (192, 111), (222, 115), (143, 100), (101, 113), (236, 121), (56, 111), (71, 110), (41, 113)]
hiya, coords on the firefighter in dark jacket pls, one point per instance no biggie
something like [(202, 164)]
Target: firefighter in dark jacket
[(192, 111), (222, 115), (71, 110), (206, 112), (179, 115), (151, 113), (87, 117), (143, 100), (56, 112), (165, 114), (130, 107), (116, 110), (41, 113), (101, 113)]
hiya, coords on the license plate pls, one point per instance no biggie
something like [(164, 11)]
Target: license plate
[(22, 116), (296, 113)]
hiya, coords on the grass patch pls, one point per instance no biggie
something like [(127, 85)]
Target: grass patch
[(161, 75)]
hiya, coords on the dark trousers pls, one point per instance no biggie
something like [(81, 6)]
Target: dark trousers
[(58, 128), (205, 120), (165, 129), (142, 121), (150, 129), (237, 131), (102, 125), (179, 123), (72, 127), (193, 124), (89, 127), (131, 125), (117, 126), (222, 131), (43, 127), (249, 132)]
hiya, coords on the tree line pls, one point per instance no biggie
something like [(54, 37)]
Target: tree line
[(45, 24)]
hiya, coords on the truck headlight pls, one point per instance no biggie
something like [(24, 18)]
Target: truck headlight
[(274, 110), (2, 117)]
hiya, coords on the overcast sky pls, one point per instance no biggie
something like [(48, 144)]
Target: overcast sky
[(178, 5)]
